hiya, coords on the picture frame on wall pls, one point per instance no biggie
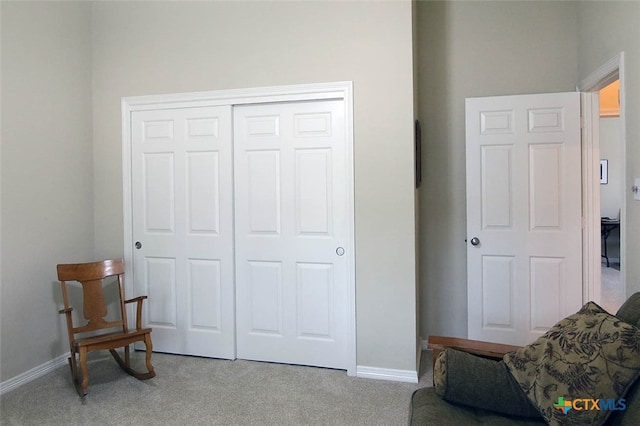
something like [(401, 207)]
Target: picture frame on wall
[(604, 172)]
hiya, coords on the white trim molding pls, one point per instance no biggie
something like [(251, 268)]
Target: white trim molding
[(604, 75), (390, 374), (591, 239), (33, 374)]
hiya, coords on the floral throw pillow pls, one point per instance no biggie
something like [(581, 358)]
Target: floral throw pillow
[(578, 371), (440, 374)]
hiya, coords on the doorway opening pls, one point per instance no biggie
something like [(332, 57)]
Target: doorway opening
[(611, 194), (604, 210)]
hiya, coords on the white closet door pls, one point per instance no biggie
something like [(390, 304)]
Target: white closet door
[(291, 233), (182, 218)]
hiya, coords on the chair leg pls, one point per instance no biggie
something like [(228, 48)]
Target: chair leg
[(82, 352), (127, 359), (75, 377), (149, 346), (74, 367)]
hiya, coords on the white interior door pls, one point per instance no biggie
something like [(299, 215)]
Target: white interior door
[(182, 225), (524, 222), (292, 227)]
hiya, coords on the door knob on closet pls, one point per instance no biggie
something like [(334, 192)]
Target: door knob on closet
[(138, 245), (475, 241), (340, 251)]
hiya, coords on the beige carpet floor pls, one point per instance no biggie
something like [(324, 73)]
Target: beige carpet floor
[(200, 391)]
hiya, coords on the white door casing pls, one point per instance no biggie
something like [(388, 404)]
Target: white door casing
[(592, 237), (524, 209), (611, 70), (291, 233), (182, 221), (229, 99)]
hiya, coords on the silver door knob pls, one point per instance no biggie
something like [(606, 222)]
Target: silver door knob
[(475, 241), (138, 245), (339, 251)]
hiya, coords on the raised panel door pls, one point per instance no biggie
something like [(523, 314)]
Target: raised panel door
[(524, 218), (291, 211), (182, 216)]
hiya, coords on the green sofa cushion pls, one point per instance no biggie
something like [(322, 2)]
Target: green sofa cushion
[(630, 310), (467, 379), (587, 356), (428, 409)]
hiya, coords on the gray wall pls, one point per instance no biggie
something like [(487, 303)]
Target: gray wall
[(606, 29), (611, 193), (155, 47), (472, 49), (83, 57), (610, 149), (47, 172)]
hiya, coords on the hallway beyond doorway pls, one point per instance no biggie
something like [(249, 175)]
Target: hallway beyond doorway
[(613, 293)]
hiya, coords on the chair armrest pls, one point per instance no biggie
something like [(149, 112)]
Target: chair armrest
[(477, 347), (138, 299)]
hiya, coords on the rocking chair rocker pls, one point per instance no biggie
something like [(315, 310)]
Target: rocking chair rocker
[(103, 334)]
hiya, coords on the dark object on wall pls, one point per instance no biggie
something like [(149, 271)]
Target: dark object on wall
[(418, 142)]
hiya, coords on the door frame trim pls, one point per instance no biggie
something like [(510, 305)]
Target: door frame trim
[(601, 77), (591, 266), (232, 97)]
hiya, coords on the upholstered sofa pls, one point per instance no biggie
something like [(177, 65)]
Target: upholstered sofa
[(430, 408)]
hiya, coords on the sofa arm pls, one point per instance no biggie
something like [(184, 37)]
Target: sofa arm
[(486, 349)]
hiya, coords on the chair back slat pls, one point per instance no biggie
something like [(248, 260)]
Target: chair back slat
[(94, 307), (90, 271)]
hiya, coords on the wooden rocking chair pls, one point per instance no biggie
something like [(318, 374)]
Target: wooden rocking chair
[(103, 334)]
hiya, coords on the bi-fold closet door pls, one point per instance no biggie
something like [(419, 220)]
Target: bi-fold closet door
[(240, 224)]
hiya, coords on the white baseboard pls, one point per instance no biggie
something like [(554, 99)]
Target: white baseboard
[(376, 373), (406, 376), (34, 373)]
